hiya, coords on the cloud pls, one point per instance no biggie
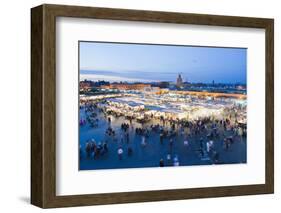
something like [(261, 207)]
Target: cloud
[(144, 76), (111, 78)]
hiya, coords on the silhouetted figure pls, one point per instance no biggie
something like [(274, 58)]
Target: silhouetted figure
[(130, 151), (161, 163)]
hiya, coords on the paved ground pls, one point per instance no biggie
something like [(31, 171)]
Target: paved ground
[(150, 155)]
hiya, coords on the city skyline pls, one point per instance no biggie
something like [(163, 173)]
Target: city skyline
[(115, 62), (172, 82)]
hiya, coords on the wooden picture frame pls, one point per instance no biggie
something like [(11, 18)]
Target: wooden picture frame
[(43, 105)]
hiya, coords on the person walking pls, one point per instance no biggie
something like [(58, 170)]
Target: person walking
[(161, 163), (161, 138), (186, 143), (120, 153)]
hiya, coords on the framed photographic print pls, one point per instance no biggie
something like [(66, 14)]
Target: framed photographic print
[(136, 106)]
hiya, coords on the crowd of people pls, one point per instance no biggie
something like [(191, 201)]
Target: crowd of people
[(203, 134)]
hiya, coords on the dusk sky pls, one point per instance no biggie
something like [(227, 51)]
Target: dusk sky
[(151, 63)]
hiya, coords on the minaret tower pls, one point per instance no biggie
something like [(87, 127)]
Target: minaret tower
[(179, 80)]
